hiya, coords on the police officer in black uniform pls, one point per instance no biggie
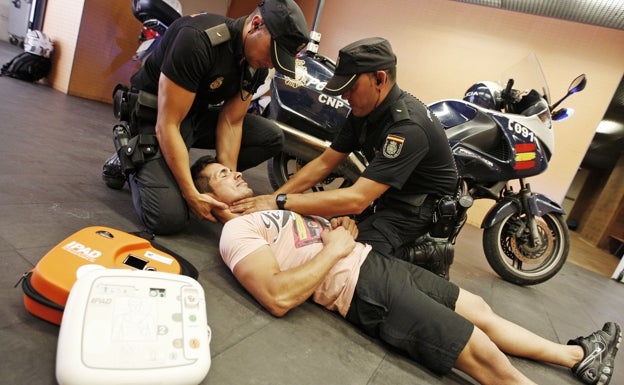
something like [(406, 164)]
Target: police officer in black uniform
[(410, 161), (204, 72)]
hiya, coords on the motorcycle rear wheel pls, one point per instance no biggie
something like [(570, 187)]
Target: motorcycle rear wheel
[(283, 166), (516, 260)]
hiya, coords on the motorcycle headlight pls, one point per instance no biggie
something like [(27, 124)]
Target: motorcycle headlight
[(541, 110), (546, 117)]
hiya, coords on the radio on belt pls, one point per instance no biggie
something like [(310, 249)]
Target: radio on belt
[(134, 327)]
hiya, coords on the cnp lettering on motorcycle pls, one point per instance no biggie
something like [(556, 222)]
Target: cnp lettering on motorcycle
[(331, 101)]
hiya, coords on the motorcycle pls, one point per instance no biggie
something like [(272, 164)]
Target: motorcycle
[(525, 238), (155, 16)]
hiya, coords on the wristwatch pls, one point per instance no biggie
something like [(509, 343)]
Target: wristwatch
[(280, 201)]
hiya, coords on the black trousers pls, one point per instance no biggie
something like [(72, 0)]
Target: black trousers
[(155, 194)]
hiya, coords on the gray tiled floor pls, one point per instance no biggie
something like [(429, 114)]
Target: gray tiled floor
[(51, 152)]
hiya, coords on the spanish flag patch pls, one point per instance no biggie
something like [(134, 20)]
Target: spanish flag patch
[(525, 156), (392, 147)]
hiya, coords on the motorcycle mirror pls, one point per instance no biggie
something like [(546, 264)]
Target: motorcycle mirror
[(577, 85), (562, 114)]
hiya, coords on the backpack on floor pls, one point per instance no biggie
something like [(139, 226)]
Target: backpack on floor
[(27, 66), (46, 287)]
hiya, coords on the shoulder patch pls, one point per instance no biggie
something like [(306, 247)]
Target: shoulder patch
[(393, 145), (399, 111), (218, 34)]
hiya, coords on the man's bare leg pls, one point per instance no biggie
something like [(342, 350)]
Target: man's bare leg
[(514, 339), (482, 360)]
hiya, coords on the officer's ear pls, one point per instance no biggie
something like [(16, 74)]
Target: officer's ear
[(255, 23), (381, 77)]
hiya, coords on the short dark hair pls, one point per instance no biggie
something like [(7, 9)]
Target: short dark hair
[(202, 183)]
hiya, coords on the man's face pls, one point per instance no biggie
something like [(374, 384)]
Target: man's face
[(258, 48), (228, 186), (364, 95)]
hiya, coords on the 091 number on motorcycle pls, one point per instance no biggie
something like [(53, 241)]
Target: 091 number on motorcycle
[(521, 130)]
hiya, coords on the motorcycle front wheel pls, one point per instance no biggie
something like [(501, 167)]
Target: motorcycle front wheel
[(512, 253), (283, 166)]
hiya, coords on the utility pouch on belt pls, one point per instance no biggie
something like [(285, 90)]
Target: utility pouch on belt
[(141, 148), (146, 107), (444, 217), (134, 151), (121, 137), (123, 101), (134, 145), (134, 107)]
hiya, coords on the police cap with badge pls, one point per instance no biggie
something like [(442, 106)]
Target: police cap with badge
[(366, 55), (289, 32)]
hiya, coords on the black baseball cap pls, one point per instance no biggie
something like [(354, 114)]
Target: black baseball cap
[(289, 32), (366, 55)]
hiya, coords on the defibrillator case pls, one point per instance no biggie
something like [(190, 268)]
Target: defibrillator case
[(46, 287), (135, 327)]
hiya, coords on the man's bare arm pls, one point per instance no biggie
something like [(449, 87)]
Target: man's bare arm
[(313, 172), (280, 291), (343, 201), (174, 103), (229, 132)]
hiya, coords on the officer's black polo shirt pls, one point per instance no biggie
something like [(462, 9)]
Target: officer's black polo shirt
[(407, 150)]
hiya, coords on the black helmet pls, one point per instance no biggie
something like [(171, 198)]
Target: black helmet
[(485, 94)]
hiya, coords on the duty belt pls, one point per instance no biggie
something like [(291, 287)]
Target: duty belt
[(411, 203)]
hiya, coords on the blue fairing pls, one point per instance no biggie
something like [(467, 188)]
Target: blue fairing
[(453, 112), (485, 148), (301, 103)]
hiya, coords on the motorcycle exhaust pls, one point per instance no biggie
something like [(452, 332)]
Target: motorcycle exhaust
[(307, 147)]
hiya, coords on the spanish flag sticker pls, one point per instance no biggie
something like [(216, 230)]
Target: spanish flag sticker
[(392, 147), (525, 156)]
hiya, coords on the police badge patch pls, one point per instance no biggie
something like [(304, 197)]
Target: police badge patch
[(392, 147), (216, 83)]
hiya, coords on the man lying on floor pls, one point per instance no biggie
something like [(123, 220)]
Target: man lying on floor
[(283, 258)]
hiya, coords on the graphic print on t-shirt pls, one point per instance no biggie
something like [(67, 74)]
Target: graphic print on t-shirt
[(306, 229)]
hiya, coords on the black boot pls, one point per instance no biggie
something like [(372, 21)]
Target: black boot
[(435, 255), (111, 173)]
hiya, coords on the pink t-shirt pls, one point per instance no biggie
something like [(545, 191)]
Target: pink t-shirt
[(294, 240)]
